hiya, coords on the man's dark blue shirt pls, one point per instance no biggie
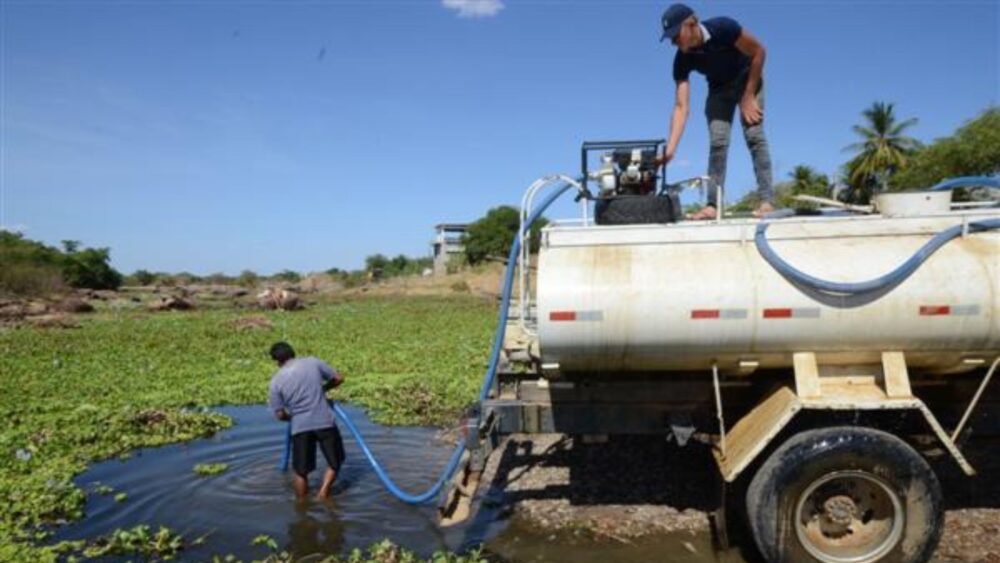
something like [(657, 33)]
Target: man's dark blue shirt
[(718, 59)]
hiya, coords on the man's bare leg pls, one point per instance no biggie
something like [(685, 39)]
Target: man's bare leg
[(328, 478), (301, 486)]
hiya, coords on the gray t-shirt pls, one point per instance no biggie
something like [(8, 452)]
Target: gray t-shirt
[(297, 387)]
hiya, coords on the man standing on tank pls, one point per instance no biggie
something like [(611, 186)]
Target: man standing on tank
[(732, 61), (298, 396)]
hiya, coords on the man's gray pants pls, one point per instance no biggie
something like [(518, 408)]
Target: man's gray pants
[(720, 106)]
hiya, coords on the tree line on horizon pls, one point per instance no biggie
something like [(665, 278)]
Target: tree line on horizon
[(886, 159)]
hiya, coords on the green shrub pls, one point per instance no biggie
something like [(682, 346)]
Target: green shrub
[(30, 279), (142, 277), (289, 276), (248, 278)]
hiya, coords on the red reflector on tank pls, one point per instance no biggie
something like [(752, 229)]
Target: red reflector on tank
[(705, 314), (777, 313), (562, 316), (934, 310)]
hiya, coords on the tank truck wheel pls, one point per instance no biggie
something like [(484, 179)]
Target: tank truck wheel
[(845, 495), (635, 209)]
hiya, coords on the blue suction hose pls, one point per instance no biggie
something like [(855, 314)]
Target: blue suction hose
[(893, 278), (491, 369)]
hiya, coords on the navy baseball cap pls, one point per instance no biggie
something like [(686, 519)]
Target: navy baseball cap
[(673, 17)]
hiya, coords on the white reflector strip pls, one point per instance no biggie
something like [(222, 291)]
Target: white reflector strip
[(965, 310), (734, 313), (806, 313), (590, 315)]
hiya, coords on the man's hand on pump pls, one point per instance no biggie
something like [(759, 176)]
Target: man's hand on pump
[(664, 158)]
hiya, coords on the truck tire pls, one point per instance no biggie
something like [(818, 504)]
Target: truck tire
[(845, 494), (637, 209)]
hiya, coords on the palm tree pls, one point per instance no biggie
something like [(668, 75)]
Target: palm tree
[(883, 149), (805, 180)]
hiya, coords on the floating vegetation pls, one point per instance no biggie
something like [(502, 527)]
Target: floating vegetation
[(164, 544), (206, 469), (134, 379)]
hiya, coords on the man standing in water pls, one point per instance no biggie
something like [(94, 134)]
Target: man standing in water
[(298, 396)]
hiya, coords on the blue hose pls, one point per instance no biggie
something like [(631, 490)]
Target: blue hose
[(491, 369), (967, 182), (287, 454), (879, 284), (387, 481)]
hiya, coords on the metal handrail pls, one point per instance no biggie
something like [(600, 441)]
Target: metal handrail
[(527, 201), (702, 183)]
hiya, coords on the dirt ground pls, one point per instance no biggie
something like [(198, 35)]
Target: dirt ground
[(629, 487)]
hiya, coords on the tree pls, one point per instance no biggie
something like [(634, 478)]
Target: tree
[(493, 234), (376, 263), (974, 149), (143, 277), (28, 267), (804, 180), (290, 276), (882, 151), (219, 278), (398, 265), (89, 268), (247, 278)]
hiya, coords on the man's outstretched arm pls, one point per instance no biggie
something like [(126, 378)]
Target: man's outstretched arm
[(749, 46), (682, 107)]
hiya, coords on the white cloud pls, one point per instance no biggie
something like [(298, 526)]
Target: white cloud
[(474, 8), (14, 228)]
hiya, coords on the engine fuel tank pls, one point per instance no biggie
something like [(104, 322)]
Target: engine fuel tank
[(684, 296)]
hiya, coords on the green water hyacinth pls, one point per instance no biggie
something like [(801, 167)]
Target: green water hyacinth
[(134, 379), (206, 469)]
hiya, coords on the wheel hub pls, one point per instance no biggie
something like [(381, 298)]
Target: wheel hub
[(840, 510), (849, 517)]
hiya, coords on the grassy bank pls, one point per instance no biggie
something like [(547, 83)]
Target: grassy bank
[(129, 380)]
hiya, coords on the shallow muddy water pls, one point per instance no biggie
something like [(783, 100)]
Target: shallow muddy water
[(252, 497)]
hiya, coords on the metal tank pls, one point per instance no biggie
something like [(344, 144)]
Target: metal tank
[(646, 298)]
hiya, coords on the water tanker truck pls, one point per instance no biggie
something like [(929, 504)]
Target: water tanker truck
[(820, 354)]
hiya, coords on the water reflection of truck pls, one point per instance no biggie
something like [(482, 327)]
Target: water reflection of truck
[(819, 374)]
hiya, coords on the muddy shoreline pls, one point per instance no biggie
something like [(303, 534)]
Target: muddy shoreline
[(629, 488)]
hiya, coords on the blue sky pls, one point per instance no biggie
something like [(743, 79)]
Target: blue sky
[(222, 135)]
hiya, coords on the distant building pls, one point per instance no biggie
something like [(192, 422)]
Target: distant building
[(447, 243)]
